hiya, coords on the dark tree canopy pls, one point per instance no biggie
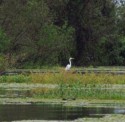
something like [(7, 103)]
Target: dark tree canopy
[(34, 33)]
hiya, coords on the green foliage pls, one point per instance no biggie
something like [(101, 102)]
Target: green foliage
[(109, 51), (41, 32), (15, 79), (56, 41), (4, 41), (3, 63)]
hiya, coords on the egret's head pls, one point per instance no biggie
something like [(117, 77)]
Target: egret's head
[(71, 58)]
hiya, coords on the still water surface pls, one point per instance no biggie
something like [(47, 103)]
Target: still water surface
[(11, 112)]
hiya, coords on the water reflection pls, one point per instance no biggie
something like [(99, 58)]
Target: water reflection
[(51, 112)]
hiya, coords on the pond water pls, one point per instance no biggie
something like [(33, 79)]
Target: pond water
[(13, 112), (46, 111)]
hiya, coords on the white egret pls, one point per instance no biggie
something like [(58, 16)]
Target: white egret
[(69, 65)]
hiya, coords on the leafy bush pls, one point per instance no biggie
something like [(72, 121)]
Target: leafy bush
[(109, 51), (54, 45)]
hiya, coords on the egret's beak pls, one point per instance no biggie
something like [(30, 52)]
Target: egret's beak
[(72, 58)]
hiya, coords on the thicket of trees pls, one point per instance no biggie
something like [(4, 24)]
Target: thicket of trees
[(35, 33)]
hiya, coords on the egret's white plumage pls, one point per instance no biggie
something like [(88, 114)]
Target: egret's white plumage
[(69, 65)]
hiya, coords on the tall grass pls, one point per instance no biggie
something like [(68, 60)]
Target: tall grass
[(87, 86), (15, 79), (66, 77), (73, 78), (78, 92)]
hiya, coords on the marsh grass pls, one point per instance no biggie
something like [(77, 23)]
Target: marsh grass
[(74, 78), (86, 86), (74, 92), (15, 79), (66, 77), (45, 93)]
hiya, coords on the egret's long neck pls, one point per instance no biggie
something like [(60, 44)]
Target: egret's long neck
[(70, 62)]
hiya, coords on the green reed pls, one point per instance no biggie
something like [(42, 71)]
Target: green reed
[(79, 91)]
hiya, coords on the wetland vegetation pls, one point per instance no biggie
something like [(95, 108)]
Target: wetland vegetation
[(89, 90), (66, 85)]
